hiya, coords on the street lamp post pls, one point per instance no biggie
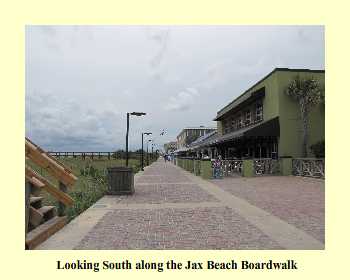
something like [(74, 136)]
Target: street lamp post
[(147, 151), (143, 133), (138, 114)]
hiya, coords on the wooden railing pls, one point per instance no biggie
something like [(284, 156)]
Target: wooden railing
[(57, 170), (40, 182)]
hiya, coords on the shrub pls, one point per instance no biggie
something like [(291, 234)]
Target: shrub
[(318, 149)]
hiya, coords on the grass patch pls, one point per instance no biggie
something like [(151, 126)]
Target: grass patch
[(91, 184)]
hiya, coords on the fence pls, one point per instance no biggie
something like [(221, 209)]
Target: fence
[(232, 167), (266, 166), (255, 167), (308, 167), (85, 155)]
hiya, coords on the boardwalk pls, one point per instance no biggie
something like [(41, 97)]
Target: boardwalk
[(173, 209)]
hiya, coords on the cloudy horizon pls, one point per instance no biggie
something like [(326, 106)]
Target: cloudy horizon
[(82, 80)]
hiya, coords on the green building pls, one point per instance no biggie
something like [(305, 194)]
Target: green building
[(264, 122)]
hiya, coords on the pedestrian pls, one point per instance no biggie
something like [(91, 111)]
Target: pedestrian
[(217, 168), (165, 157)]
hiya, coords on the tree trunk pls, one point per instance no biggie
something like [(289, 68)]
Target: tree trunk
[(305, 121)]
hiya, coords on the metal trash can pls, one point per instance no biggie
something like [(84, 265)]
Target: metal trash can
[(120, 180)]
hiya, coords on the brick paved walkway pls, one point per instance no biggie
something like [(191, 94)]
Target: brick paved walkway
[(173, 209)]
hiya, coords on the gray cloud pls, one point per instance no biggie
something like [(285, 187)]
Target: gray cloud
[(183, 100), (82, 80), (161, 37), (57, 123)]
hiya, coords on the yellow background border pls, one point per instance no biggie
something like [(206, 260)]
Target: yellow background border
[(16, 262)]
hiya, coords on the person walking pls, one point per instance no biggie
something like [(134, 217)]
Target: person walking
[(217, 168)]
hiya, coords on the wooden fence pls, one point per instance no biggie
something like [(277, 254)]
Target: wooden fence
[(84, 155)]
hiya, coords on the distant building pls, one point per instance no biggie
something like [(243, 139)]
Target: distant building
[(190, 134), (170, 147)]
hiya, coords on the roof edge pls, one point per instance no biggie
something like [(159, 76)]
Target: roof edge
[(268, 75)]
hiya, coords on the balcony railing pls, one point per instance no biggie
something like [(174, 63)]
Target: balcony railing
[(230, 128)]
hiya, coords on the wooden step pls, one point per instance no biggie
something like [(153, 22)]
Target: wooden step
[(35, 217), (35, 185), (44, 231), (50, 188), (48, 212), (35, 201)]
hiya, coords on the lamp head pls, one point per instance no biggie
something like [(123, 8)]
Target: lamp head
[(147, 133), (137, 114)]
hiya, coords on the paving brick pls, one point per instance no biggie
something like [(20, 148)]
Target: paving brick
[(171, 209), (201, 228), (163, 193), (299, 201)]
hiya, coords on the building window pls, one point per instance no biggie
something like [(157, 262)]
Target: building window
[(259, 112), (233, 124), (248, 117), (225, 126), (240, 121)]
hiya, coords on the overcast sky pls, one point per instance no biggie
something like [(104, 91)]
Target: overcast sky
[(81, 80)]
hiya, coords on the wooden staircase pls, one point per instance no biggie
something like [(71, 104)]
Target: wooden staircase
[(42, 221)]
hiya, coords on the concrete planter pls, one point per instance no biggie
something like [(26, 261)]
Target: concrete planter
[(197, 167), (248, 168), (286, 166), (206, 169)]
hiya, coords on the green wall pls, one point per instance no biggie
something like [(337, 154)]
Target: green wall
[(290, 142)]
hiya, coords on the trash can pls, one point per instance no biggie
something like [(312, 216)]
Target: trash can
[(120, 180)]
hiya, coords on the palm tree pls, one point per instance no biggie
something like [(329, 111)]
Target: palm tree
[(308, 93)]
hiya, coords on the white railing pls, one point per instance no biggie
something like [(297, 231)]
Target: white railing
[(265, 166), (309, 167), (232, 167)]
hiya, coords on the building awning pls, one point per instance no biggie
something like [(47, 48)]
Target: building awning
[(203, 141), (181, 150), (264, 129)]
